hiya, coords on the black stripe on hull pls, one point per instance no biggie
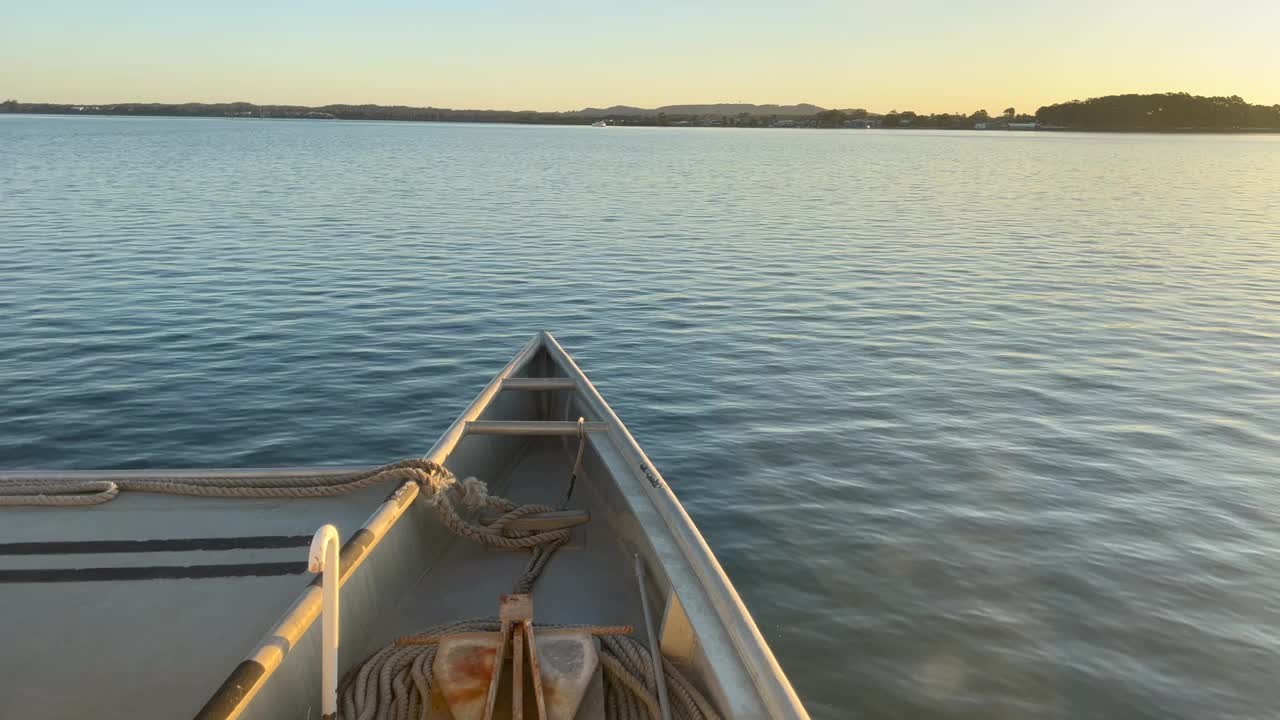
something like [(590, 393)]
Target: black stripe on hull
[(85, 547), (154, 572), (234, 688)]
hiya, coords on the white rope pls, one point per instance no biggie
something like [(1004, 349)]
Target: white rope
[(72, 493)]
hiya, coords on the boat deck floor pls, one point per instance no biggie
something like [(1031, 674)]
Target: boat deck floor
[(590, 580), (94, 622), (149, 631)]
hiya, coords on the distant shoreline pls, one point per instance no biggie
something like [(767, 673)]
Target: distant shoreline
[(1162, 113), (1067, 130)]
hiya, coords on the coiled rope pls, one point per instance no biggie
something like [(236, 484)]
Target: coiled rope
[(395, 682)]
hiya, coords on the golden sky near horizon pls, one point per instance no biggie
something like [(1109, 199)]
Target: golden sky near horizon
[(928, 56)]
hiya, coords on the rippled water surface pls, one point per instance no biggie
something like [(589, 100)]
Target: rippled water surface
[(981, 425)]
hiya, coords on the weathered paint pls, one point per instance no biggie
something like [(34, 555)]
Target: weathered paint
[(463, 667), (568, 661), (678, 640)]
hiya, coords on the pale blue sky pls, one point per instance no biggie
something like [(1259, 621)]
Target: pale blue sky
[(925, 55)]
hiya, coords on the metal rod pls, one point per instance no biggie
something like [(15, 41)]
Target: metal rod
[(655, 651), (539, 384), (496, 674), (322, 557), (530, 427), (517, 674), (535, 667), (594, 630)]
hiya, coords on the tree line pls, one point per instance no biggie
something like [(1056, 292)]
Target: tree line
[(1161, 111), (244, 109), (1156, 112)]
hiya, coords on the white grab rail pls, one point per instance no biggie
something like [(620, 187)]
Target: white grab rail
[(323, 558)]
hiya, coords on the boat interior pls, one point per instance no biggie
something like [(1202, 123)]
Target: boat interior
[(156, 606)]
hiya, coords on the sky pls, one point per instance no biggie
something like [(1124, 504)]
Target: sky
[(921, 55)]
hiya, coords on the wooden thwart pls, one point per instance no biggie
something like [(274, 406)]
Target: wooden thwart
[(539, 384), (530, 427), (596, 630)]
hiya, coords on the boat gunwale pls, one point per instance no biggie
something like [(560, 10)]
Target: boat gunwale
[(771, 683)]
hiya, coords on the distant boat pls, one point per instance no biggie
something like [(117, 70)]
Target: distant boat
[(599, 123)]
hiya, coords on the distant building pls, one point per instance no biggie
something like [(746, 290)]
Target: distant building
[(784, 124), (862, 123), (1024, 126), (979, 126)]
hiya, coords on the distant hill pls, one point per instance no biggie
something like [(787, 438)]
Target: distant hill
[(710, 109), (614, 111)]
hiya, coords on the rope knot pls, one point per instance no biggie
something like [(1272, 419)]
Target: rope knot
[(475, 494)]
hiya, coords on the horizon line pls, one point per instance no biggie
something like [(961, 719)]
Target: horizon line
[(590, 107)]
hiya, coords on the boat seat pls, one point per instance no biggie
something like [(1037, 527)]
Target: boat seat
[(531, 427)]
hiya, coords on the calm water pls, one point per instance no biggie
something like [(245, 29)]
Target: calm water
[(981, 425)]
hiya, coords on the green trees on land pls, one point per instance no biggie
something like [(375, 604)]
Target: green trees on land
[(1161, 111), (830, 119), (944, 121)]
